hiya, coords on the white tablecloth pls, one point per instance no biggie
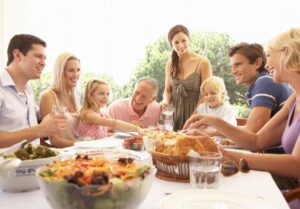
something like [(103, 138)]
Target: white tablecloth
[(254, 183)]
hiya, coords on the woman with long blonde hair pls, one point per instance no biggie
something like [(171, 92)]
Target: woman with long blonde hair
[(62, 97)]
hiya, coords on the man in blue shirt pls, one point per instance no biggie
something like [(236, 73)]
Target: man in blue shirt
[(265, 97), (18, 120)]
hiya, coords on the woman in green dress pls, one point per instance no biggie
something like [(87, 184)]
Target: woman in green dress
[(185, 71)]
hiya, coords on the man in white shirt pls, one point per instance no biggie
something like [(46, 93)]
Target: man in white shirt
[(18, 120)]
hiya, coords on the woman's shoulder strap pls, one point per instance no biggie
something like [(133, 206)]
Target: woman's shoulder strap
[(55, 97)]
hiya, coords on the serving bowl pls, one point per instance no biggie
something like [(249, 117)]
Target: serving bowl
[(133, 143), (22, 178), (93, 186)]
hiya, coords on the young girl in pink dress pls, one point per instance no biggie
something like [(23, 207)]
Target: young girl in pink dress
[(93, 122)]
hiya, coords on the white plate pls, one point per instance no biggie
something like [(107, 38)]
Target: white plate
[(99, 143), (115, 154), (212, 199), (125, 134)]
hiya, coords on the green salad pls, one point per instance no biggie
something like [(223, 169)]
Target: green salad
[(30, 152)]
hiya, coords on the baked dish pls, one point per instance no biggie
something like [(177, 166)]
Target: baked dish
[(169, 152), (179, 144)]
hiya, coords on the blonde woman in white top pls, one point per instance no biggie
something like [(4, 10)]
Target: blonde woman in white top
[(62, 95)]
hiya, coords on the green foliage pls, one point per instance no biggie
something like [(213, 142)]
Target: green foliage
[(211, 45), (242, 110), (116, 90), (38, 86), (153, 65), (214, 46)]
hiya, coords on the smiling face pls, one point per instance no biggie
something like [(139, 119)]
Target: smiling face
[(180, 43), (101, 95), (71, 73), (213, 96), (143, 94), (33, 63), (275, 65), (244, 72)]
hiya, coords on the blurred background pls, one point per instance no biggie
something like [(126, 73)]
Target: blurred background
[(121, 41)]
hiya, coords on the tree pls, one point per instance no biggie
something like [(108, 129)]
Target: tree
[(212, 45), (39, 85), (153, 65)]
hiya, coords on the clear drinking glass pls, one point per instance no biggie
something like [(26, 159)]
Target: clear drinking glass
[(57, 110), (167, 112), (205, 170)]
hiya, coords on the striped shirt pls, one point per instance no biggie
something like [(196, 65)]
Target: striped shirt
[(266, 93)]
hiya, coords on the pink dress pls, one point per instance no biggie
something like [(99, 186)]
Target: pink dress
[(93, 131)]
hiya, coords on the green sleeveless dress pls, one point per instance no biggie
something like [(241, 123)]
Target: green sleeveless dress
[(185, 96)]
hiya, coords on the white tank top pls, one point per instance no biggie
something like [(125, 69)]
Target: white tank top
[(72, 121)]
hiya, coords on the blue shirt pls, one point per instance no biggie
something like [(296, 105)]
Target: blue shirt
[(17, 109), (266, 93)]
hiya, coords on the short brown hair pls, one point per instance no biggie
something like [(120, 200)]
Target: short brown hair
[(251, 52), (22, 42)]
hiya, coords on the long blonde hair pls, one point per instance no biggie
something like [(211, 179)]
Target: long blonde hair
[(58, 83), (88, 101), (289, 43)]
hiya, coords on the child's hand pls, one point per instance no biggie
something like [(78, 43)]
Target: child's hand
[(141, 131), (137, 123)]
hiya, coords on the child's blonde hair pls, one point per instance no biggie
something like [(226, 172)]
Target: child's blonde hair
[(216, 83), (88, 101)]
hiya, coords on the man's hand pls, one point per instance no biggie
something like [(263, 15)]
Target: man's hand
[(52, 124)]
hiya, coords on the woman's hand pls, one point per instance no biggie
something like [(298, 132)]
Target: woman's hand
[(200, 122), (194, 132)]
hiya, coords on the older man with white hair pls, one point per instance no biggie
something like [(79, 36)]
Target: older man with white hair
[(141, 108)]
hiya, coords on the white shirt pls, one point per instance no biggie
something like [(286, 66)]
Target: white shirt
[(225, 111), (17, 109)]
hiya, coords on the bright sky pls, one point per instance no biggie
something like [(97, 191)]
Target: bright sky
[(110, 36)]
